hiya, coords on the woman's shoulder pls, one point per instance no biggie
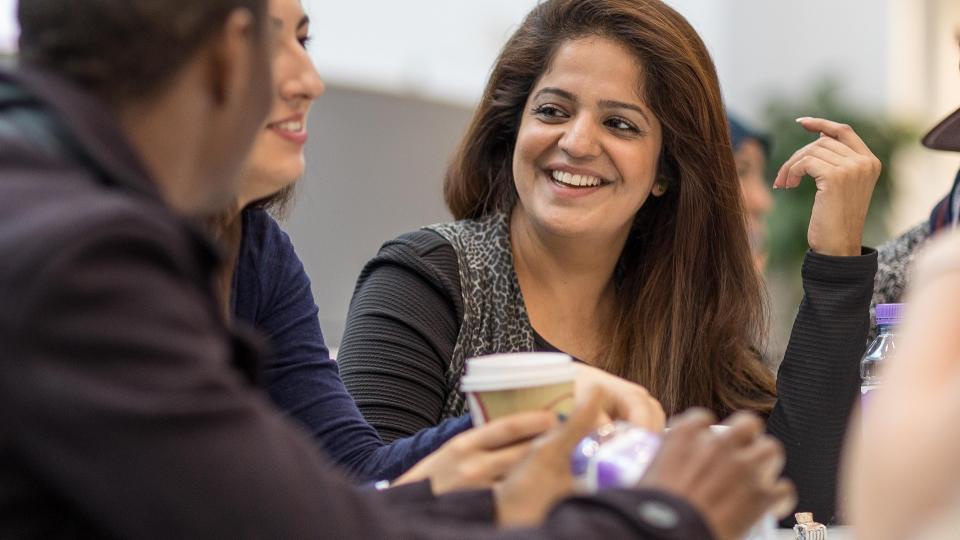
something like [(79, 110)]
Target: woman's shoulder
[(260, 228), (423, 251), (424, 242), (493, 227), (263, 235), (266, 248)]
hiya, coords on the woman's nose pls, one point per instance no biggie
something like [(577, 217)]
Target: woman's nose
[(306, 83), (580, 139)]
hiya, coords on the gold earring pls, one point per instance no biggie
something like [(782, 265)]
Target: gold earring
[(662, 185)]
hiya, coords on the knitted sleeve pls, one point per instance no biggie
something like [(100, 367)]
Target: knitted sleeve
[(819, 377), (400, 333)]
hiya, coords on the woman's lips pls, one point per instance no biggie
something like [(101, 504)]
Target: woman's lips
[(294, 131)]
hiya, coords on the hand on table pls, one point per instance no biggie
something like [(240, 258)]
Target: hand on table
[(845, 172), (481, 456), (732, 477), (623, 400)]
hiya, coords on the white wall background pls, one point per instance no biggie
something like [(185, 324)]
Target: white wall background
[(8, 30), (891, 54), (444, 48)]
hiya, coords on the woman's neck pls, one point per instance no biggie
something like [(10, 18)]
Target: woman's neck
[(567, 285)]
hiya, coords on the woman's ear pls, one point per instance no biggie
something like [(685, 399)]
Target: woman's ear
[(664, 174), (660, 186)]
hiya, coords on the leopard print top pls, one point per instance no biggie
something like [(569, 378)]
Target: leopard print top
[(494, 316), (894, 267)]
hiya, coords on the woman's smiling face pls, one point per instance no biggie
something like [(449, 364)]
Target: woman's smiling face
[(587, 148), (277, 160)]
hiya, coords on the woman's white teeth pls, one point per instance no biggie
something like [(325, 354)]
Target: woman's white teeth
[(289, 126), (577, 180)]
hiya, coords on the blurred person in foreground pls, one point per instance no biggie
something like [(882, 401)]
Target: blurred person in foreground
[(131, 407), (902, 460)]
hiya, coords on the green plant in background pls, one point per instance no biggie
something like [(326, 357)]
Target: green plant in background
[(787, 240)]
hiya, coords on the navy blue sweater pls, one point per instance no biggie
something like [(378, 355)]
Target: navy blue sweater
[(271, 291)]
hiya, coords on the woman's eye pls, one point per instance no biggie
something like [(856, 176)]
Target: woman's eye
[(622, 125), (304, 41), (549, 112)]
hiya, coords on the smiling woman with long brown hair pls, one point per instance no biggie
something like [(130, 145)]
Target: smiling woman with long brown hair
[(600, 215)]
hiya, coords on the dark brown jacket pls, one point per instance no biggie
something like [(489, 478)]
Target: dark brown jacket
[(127, 404)]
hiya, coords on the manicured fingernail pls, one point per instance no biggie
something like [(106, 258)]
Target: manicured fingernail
[(801, 119)]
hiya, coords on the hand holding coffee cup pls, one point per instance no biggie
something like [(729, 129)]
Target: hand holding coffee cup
[(624, 400), (499, 385)]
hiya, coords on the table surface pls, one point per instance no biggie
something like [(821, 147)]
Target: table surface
[(833, 533)]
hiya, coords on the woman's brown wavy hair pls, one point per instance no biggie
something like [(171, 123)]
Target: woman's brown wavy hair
[(690, 304)]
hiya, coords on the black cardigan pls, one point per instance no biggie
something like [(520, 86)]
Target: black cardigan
[(406, 314)]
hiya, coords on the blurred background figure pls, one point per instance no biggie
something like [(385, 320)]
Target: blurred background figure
[(896, 256), (750, 151)]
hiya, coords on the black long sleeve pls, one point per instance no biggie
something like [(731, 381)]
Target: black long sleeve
[(406, 313), (403, 324), (819, 378)]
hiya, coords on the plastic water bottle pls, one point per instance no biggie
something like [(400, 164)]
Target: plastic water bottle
[(888, 317)]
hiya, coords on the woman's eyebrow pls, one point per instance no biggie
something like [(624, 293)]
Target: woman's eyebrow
[(557, 92), (613, 104), (606, 103)]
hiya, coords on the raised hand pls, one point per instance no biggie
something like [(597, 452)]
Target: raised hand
[(845, 172)]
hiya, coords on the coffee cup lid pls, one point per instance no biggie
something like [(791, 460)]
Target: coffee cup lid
[(516, 370)]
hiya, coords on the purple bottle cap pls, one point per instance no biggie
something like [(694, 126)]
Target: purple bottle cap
[(889, 314)]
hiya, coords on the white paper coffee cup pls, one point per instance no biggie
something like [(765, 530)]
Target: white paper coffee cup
[(502, 384)]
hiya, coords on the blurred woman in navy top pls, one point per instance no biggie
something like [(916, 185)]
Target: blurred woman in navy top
[(264, 284), (271, 291)]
